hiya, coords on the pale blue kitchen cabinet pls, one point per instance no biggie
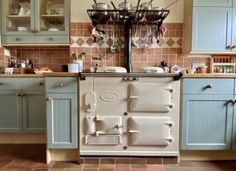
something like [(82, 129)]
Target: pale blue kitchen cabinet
[(206, 122), (224, 3), (211, 30), (207, 114), (38, 22), (10, 112), (22, 105), (234, 27), (209, 27), (62, 114)]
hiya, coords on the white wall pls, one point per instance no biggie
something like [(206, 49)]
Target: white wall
[(79, 9)]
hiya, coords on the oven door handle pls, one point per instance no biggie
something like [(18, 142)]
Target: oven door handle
[(133, 97), (100, 133), (133, 131), (168, 139), (170, 89), (170, 123), (170, 105)]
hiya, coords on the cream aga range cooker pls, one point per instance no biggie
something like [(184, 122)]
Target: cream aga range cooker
[(129, 114)]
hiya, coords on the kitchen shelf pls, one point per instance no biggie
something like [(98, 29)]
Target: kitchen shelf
[(151, 17), (222, 64)]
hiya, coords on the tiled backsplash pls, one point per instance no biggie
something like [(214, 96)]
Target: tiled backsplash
[(169, 49), (1, 57)]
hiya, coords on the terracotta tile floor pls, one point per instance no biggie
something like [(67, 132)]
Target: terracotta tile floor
[(18, 158)]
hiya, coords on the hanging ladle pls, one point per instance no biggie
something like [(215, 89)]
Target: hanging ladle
[(113, 46)]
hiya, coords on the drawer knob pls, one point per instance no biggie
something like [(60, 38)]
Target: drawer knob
[(40, 83), (50, 38), (18, 39), (60, 85), (18, 94), (1, 84)]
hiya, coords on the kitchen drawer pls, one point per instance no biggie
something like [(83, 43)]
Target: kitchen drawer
[(59, 39), (33, 85), (17, 39), (9, 84), (61, 85), (208, 86)]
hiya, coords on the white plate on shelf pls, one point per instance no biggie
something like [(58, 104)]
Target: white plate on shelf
[(41, 72)]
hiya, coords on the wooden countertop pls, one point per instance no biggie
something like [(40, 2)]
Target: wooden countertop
[(209, 75), (66, 74), (21, 75), (60, 74), (51, 74)]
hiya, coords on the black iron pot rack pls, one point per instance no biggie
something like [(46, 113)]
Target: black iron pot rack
[(128, 18)]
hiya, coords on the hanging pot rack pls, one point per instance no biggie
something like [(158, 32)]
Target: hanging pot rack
[(128, 18)]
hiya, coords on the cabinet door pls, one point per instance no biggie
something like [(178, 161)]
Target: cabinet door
[(206, 122), (17, 17), (10, 113), (234, 28), (62, 120), (211, 29), (234, 129), (34, 113), (225, 3)]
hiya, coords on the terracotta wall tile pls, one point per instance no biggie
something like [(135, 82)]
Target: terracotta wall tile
[(169, 49)]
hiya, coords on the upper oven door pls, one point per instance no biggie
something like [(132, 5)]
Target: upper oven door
[(150, 97)]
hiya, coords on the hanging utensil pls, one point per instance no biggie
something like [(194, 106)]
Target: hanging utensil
[(114, 47), (138, 5), (95, 2), (113, 5)]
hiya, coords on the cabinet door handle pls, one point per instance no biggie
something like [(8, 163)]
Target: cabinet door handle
[(18, 94), (232, 101), (60, 85), (233, 46), (1, 84), (48, 98), (208, 86)]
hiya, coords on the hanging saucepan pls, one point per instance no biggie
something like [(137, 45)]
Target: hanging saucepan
[(146, 5), (100, 6)]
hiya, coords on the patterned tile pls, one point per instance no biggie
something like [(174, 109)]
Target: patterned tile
[(82, 41)]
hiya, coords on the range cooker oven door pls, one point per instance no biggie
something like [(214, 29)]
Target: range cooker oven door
[(150, 131), (150, 97)]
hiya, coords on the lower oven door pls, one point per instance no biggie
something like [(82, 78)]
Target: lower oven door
[(151, 131), (103, 130), (150, 97)]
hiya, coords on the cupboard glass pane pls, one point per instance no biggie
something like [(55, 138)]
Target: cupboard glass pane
[(52, 15), (18, 14)]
